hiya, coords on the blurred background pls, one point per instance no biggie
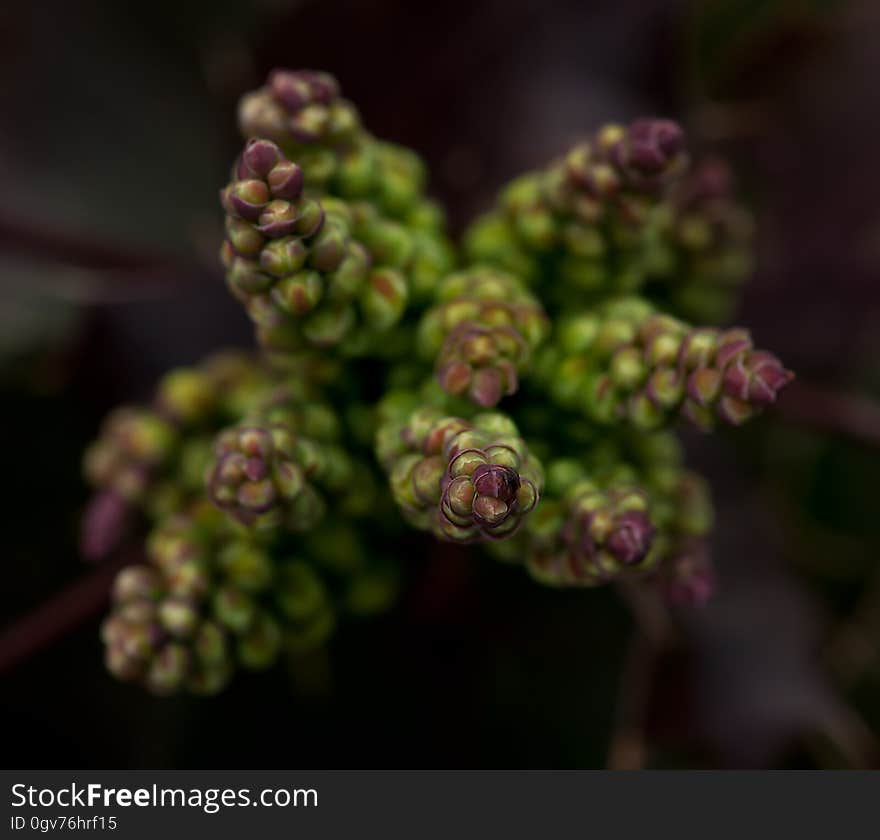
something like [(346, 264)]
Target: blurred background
[(117, 128)]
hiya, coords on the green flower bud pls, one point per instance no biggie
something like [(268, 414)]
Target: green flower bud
[(259, 647), (234, 609), (639, 367), (384, 298), (187, 396)]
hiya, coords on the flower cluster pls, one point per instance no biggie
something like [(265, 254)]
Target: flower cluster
[(464, 480), (622, 213), (481, 331), (517, 394), (212, 599), (623, 362)]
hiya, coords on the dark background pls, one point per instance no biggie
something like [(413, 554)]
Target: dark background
[(117, 126)]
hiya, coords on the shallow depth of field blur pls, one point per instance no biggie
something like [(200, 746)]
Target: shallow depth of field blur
[(118, 128)]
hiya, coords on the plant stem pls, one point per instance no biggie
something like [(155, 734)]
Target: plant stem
[(47, 243), (835, 412), (57, 616)]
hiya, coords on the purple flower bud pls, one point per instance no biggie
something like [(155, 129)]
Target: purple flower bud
[(323, 87), (732, 344), (286, 180), (487, 480), (454, 376), (756, 378), (310, 124), (299, 293), (290, 89), (247, 199), (496, 481), (278, 218), (481, 361), (258, 159), (735, 412), (653, 143), (489, 511), (664, 388), (704, 385), (261, 115), (136, 583), (604, 533), (262, 474), (631, 538), (459, 497), (487, 387)]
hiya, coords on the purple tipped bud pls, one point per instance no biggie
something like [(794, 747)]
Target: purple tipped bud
[(454, 377), (256, 496), (285, 256), (487, 388), (247, 199), (311, 218), (605, 533), (459, 496), (290, 89), (260, 115), (258, 159), (734, 411), (756, 378), (732, 345), (278, 218), (631, 538), (261, 475), (496, 481), (664, 388), (489, 511), (486, 478), (286, 181), (255, 442), (323, 87), (653, 143), (704, 385), (309, 124), (136, 583), (481, 361)]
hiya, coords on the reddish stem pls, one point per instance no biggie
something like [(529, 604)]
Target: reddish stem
[(70, 248), (834, 412), (57, 616)]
